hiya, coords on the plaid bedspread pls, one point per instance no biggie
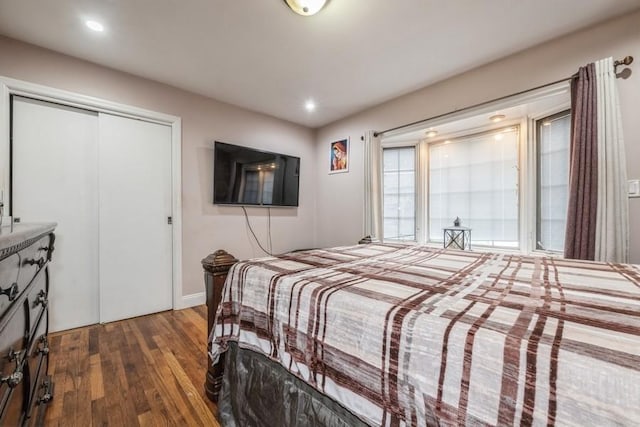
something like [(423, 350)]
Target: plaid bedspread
[(410, 335)]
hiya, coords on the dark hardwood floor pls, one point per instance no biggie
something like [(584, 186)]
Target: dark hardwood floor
[(146, 371)]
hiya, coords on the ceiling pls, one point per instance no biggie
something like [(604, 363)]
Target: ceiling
[(259, 55)]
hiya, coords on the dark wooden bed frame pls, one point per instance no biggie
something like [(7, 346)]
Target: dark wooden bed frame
[(216, 267)]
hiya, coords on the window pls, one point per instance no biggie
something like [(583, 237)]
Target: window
[(399, 182), (553, 136), (476, 178), (502, 170)]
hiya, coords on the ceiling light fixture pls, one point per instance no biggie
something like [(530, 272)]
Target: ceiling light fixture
[(497, 118), (306, 7), (431, 133), (310, 106), (94, 25)]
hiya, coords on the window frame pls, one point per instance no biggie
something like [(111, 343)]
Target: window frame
[(417, 199), (557, 111)]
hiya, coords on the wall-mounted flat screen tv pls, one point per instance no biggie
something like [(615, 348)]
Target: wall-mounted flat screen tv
[(244, 176)]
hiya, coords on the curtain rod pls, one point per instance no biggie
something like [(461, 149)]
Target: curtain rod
[(627, 60)]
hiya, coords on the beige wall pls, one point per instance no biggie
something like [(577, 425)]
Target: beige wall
[(206, 227), (340, 197)]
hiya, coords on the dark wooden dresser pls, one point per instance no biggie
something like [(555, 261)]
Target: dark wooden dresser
[(25, 386)]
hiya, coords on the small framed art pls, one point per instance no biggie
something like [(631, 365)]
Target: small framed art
[(339, 156)]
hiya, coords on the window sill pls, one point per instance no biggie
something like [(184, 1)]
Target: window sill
[(485, 249)]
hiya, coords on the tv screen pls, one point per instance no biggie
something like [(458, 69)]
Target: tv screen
[(244, 176)]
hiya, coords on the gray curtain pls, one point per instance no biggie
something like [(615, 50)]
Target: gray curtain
[(580, 234)]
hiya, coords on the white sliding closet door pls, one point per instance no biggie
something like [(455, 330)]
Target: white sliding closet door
[(106, 181), (55, 153), (135, 203)]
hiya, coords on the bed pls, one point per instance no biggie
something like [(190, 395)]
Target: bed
[(388, 334)]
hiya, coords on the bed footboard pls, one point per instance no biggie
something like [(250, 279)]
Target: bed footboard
[(216, 267)]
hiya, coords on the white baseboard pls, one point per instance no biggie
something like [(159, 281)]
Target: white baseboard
[(193, 300)]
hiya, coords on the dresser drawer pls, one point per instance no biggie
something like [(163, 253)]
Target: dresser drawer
[(38, 357), (44, 394), (12, 361), (9, 288), (39, 365), (32, 260), (37, 301)]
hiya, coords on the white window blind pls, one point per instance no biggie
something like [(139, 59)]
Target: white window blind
[(476, 178), (399, 193), (553, 180)]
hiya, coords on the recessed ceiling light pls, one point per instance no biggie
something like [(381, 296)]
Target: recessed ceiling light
[(94, 25), (497, 118), (431, 133), (310, 105)]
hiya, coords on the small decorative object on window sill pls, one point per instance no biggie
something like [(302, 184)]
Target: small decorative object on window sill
[(457, 237), (368, 239)]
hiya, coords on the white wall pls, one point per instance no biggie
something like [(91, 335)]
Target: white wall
[(340, 197), (206, 227)]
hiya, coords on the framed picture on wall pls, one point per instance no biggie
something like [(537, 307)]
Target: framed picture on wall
[(339, 156)]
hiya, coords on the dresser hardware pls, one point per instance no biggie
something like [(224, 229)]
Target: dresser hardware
[(45, 345), (39, 262), (41, 299), (12, 380), (51, 246), (11, 291), (16, 377), (46, 398), (48, 395), (14, 355)]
